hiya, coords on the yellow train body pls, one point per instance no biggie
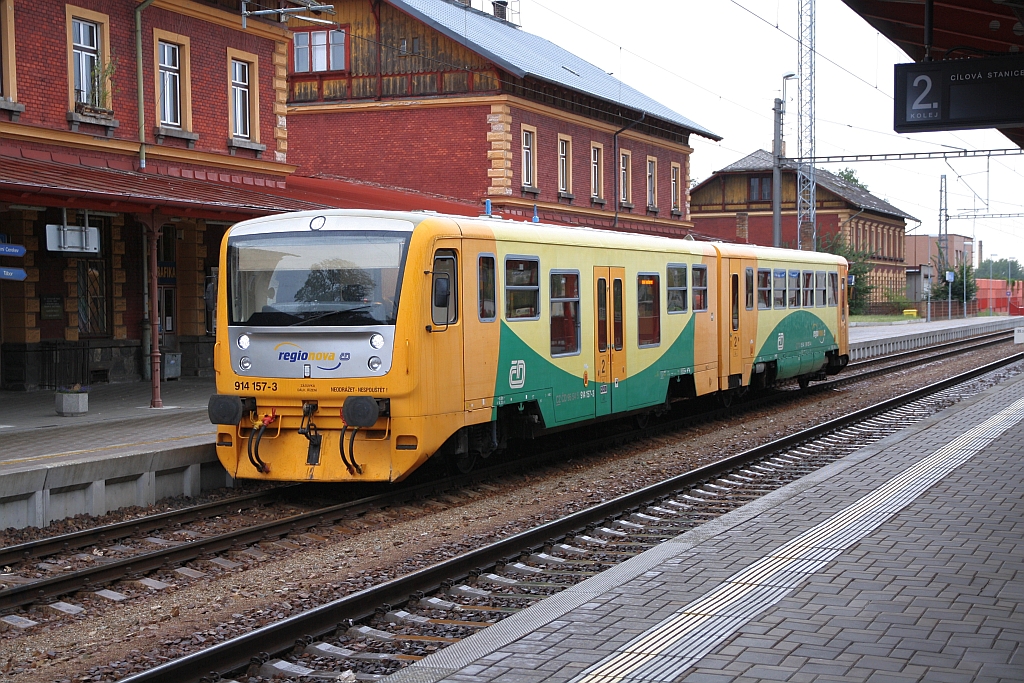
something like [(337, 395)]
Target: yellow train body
[(537, 327)]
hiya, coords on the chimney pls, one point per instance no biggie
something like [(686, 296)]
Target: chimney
[(980, 256), (807, 236), (465, 2), (500, 8), (742, 222)]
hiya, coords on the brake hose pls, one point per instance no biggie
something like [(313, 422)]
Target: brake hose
[(258, 427), (352, 450), (341, 449)]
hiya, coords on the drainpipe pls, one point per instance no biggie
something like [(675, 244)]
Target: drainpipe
[(618, 165), (139, 82)]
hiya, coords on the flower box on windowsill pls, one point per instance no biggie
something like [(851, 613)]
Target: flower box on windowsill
[(161, 132), (92, 115), (13, 109), (235, 144)]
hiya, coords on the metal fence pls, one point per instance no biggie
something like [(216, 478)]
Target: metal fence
[(64, 364)]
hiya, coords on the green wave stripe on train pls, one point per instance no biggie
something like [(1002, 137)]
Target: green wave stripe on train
[(805, 340), (562, 397)]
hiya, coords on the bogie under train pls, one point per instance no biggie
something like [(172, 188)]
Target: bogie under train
[(354, 345)]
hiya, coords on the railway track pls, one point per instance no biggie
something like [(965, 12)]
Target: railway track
[(381, 629), (226, 551)]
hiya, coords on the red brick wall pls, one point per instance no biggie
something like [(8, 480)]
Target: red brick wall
[(43, 71), (546, 150), (760, 228), (437, 150)]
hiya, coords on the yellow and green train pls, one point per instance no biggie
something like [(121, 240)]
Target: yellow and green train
[(355, 345)]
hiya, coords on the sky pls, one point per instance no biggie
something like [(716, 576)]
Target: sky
[(720, 63)]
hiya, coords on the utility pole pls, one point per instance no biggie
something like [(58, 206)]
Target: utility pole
[(779, 107)]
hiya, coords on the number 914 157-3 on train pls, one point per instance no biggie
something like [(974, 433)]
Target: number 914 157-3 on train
[(355, 345)]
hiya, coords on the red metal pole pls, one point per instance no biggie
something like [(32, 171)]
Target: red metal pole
[(154, 315)]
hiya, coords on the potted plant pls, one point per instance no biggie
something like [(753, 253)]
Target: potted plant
[(98, 97), (72, 401)]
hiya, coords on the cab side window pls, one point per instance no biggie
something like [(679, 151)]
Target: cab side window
[(487, 292), (750, 289), (444, 288)]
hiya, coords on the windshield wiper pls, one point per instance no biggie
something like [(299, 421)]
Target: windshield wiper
[(354, 309)]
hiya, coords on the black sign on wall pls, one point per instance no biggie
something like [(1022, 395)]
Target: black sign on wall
[(960, 94)]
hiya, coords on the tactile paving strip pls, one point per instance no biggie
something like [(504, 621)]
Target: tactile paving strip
[(678, 642)]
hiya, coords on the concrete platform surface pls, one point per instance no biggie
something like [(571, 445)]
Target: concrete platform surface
[(901, 562), (880, 340)]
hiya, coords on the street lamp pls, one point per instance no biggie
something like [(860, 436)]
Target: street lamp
[(779, 109)]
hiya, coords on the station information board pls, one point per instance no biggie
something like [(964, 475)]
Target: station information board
[(960, 94)]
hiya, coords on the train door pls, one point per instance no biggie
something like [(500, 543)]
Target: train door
[(742, 319), (609, 338), (481, 321), (444, 360)]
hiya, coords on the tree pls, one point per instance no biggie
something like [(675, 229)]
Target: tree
[(941, 288), (860, 294), (1002, 269), (850, 176)]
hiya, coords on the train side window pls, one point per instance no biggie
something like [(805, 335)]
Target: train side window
[(700, 288), (522, 288), (648, 309), (750, 289), (602, 315), (780, 288), (735, 302), (764, 288), (794, 289), (675, 286), (565, 313), (487, 289), (808, 289), (833, 289), (444, 293), (819, 288)]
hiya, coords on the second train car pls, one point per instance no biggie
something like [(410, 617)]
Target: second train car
[(355, 345)]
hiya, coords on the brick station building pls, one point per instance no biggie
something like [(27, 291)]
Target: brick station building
[(87, 178), (735, 204), (442, 97)]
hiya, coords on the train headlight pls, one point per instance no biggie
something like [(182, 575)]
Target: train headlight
[(377, 340), (245, 363), (374, 363), (243, 341)]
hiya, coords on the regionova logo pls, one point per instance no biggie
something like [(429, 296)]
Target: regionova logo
[(288, 352)]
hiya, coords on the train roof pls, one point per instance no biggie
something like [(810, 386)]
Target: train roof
[(526, 232)]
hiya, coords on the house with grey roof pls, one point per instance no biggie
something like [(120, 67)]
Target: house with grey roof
[(735, 204), (443, 97)]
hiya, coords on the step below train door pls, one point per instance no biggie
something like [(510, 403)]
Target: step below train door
[(609, 338)]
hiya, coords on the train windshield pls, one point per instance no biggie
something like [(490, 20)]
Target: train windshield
[(333, 277)]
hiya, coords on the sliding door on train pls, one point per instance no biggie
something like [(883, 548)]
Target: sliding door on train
[(609, 339)]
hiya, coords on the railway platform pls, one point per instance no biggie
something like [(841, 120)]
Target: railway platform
[(123, 453), (903, 561)]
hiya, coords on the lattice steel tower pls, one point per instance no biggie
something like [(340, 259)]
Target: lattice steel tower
[(805, 180)]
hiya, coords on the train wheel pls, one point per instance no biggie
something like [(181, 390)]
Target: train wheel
[(464, 462), (804, 381), (642, 420)]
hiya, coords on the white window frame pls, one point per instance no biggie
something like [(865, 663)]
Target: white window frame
[(528, 138), (78, 70), (677, 176), (240, 99), (596, 170), (252, 61), (87, 59), (169, 59), (652, 183), (322, 50), (625, 171), (565, 164)]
